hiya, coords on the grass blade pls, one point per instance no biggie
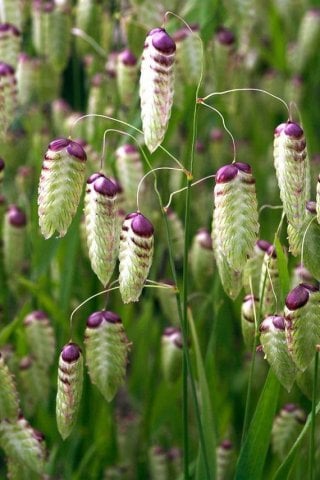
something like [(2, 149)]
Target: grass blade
[(254, 451)]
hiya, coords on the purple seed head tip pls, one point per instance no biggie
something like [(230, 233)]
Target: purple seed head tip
[(263, 245), (278, 322), (204, 238), (311, 206), (105, 186), (70, 352), (35, 315), (127, 58), (279, 129), (292, 129), (111, 317), (163, 42), (226, 445), (297, 298), (16, 216), (272, 251), (58, 144), (94, 176), (2, 164), (170, 331), (127, 149), (142, 226), (225, 36), (289, 407), (76, 150), (95, 319), (226, 174), (6, 69), (244, 167)]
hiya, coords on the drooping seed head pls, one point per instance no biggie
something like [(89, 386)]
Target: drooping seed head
[(297, 298), (225, 36)]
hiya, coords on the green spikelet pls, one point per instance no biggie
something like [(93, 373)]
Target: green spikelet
[(225, 460), (295, 238), (96, 104), (129, 171), (127, 73), (106, 352), (174, 456), (40, 338), (59, 37), (9, 43), (60, 186), (70, 379), (222, 56), (252, 269), (135, 255), (88, 16), (156, 86), (171, 354), (302, 322), (11, 12), (26, 79), (34, 380), (202, 259), (177, 234), (22, 444), (168, 301), (270, 289), (8, 97), (292, 165), (158, 463), (273, 341), (189, 55), (235, 213), (14, 240), (249, 305), (9, 404), (18, 471), (231, 280), (308, 39), (101, 225), (47, 81), (41, 23), (286, 427)]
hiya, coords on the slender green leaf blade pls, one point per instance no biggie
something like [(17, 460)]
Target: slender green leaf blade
[(254, 451)]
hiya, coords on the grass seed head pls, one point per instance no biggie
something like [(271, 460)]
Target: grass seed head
[(171, 354), (101, 224), (14, 239), (302, 325), (9, 403), (60, 185), (40, 338), (127, 72), (202, 258), (286, 427), (156, 86), (135, 255), (70, 380), (106, 352), (275, 348), (235, 213)]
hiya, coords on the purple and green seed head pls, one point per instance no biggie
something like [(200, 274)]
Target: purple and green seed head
[(302, 309), (126, 75), (286, 428), (60, 185), (135, 255), (14, 239), (101, 225), (171, 354), (70, 380), (106, 352), (235, 213), (156, 86), (40, 338), (201, 258)]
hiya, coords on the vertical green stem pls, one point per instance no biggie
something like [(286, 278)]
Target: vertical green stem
[(313, 418)]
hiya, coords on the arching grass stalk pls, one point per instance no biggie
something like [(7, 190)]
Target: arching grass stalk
[(312, 446)]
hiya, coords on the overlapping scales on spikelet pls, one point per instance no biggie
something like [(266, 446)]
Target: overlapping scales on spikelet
[(40, 337), (8, 96), (189, 54), (130, 172), (202, 258), (126, 76), (14, 240), (291, 164), (275, 348), (106, 352), (270, 288), (171, 354), (156, 86), (101, 225), (252, 269), (11, 12), (60, 186), (286, 427), (235, 213), (9, 43), (23, 444), (9, 404), (135, 255), (302, 322), (70, 380)]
